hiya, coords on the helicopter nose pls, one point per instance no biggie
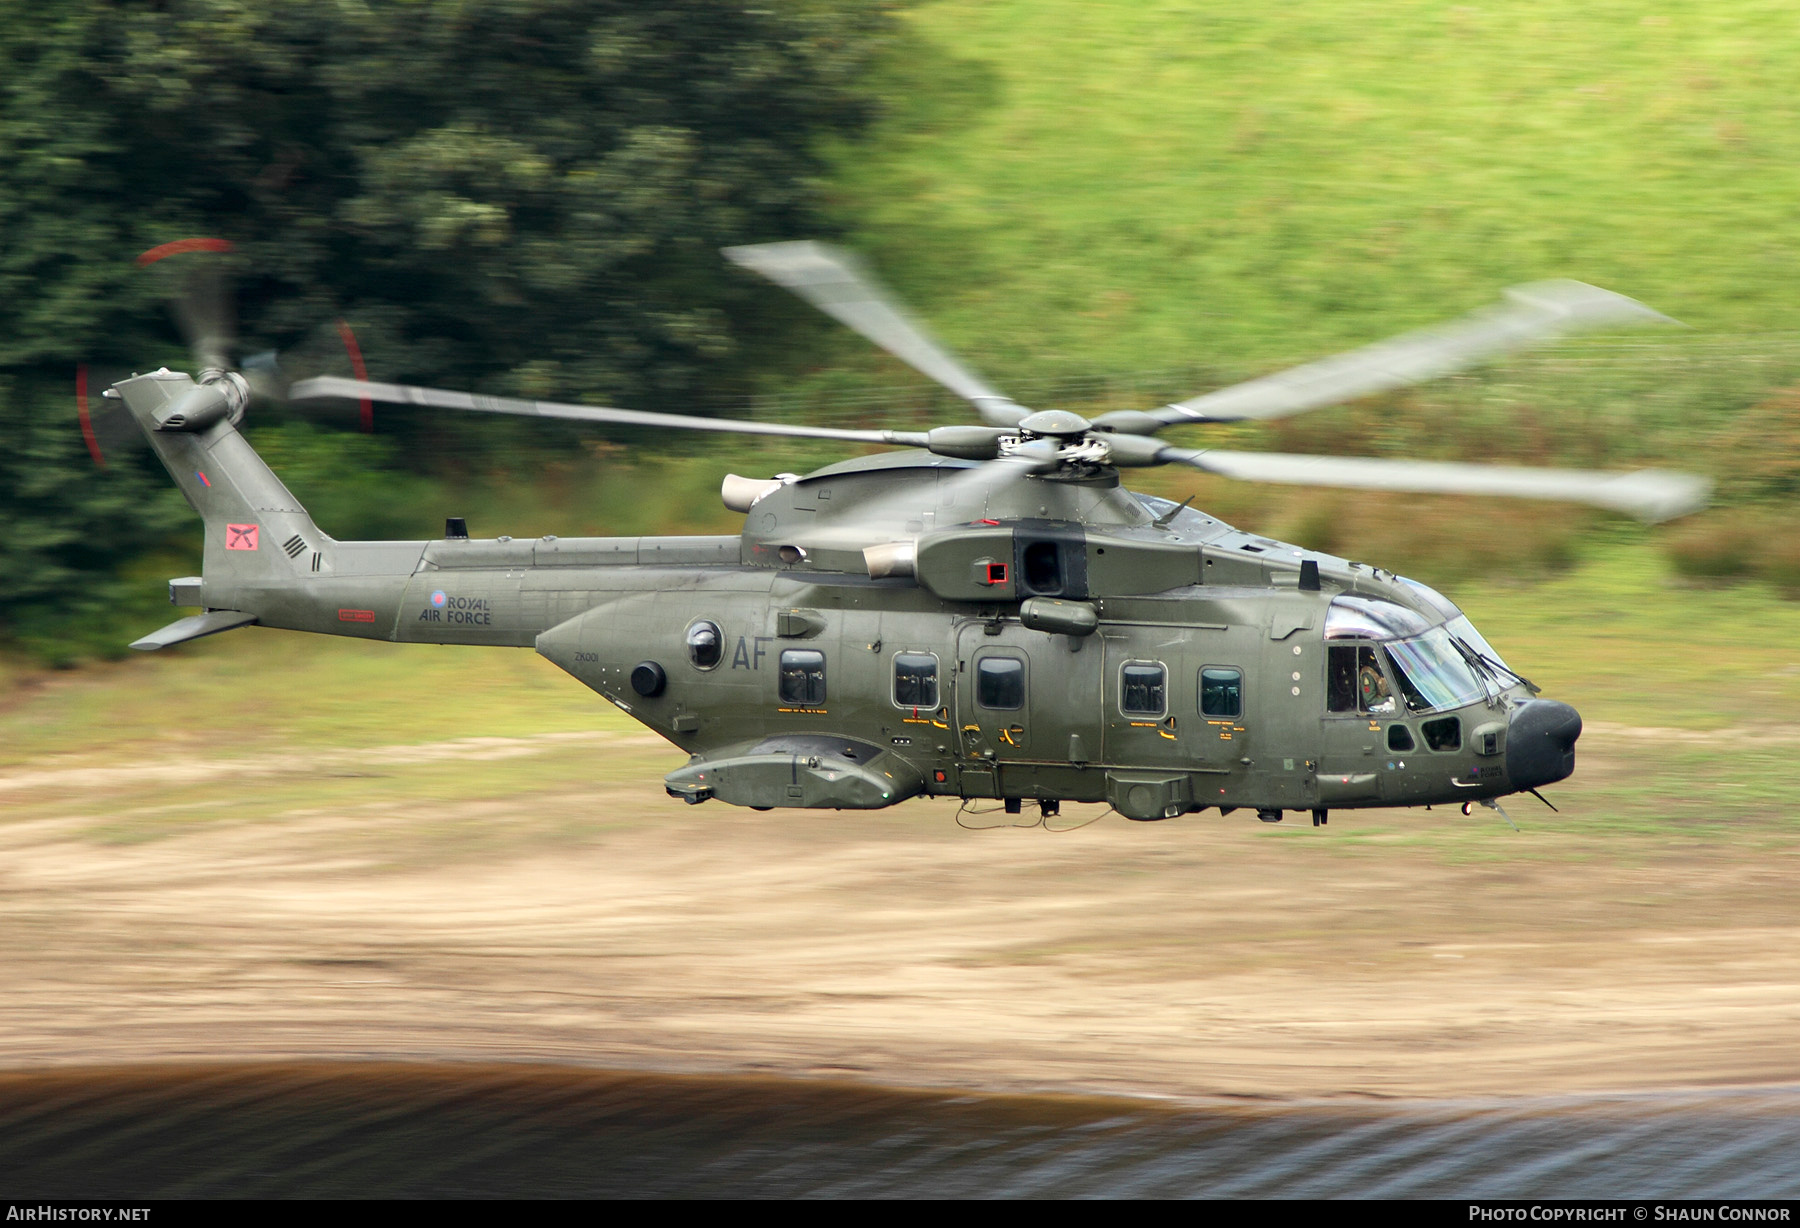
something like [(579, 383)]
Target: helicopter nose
[(1540, 743)]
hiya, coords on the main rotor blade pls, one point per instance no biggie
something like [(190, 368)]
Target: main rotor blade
[(1651, 495), (328, 387), (836, 282), (1533, 313)]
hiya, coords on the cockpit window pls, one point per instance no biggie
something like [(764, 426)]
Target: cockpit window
[(1432, 673), (1443, 605), (1370, 618), (1464, 630), (1355, 681), (1445, 733)]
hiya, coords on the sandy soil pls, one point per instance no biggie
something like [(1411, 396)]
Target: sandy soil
[(1202, 957)]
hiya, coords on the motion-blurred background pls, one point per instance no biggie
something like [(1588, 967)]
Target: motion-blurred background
[(265, 846)]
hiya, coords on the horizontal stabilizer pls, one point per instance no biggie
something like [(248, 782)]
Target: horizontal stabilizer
[(181, 631)]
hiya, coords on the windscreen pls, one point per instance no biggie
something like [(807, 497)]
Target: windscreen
[(1464, 630), (1443, 605), (1356, 617), (1432, 673)]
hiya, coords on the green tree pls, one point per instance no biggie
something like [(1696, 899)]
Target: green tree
[(524, 196)]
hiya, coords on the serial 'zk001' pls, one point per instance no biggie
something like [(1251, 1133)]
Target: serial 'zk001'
[(987, 613)]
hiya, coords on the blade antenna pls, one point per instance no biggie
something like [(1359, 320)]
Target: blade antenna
[(1162, 521), (1494, 805)]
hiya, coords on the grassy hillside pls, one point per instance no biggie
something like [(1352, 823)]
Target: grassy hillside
[(1075, 186)]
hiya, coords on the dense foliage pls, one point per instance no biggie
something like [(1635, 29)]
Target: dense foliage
[(520, 195)]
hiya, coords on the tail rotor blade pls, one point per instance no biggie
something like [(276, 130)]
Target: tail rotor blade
[(87, 421), (206, 313), (835, 282), (106, 425), (201, 299), (361, 372)]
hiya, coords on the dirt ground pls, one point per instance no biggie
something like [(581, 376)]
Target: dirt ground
[(1202, 957)]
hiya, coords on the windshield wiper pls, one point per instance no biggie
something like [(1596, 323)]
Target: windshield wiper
[(1473, 660), (1487, 665)]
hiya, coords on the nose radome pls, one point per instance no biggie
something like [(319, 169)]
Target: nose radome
[(1540, 743)]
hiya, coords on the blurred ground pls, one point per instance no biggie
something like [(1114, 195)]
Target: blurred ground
[(1199, 957)]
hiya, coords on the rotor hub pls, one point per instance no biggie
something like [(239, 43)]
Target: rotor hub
[(1053, 424)]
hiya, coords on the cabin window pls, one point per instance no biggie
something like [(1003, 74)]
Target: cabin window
[(1399, 738), (802, 677), (1000, 683), (1221, 691), (1445, 733), (915, 680), (705, 644), (1143, 689), (1355, 681)]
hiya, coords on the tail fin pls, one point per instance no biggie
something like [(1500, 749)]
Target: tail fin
[(259, 540)]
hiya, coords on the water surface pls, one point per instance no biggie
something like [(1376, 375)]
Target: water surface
[(377, 1129)]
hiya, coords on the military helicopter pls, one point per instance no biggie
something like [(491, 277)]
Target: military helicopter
[(987, 613)]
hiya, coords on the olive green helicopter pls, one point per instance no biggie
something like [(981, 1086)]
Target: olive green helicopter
[(987, 613)]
